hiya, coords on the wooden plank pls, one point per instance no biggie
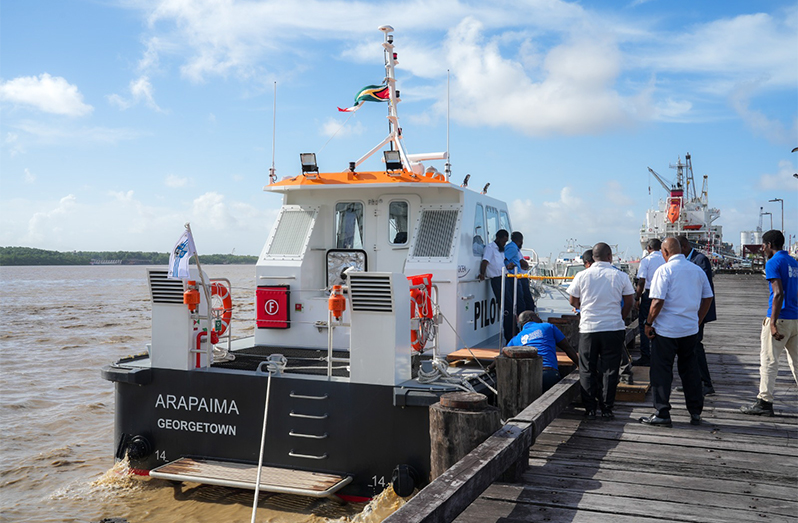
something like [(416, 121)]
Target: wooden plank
[(448, 495), (551, 473), (640, 505)]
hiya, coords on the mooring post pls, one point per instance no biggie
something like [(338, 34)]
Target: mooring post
[(458, 423), (519, 374)]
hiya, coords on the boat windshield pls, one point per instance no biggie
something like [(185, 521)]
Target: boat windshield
[(573, 270)]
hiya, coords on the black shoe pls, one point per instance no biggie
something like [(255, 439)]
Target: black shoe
[(695, 419), (642, 361), (590, 415), (760, 408), (607, 415), (656, 421), (709, 390)]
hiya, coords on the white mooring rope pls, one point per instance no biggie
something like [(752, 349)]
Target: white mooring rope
[(274, 365)]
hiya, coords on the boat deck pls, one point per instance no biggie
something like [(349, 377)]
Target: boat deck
[(733, 467)]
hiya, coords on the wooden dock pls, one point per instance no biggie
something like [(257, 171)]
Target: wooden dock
[(731, 468)]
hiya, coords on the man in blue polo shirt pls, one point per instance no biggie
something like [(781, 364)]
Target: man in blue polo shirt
[(780, 328), (512, 260), (545, 337)]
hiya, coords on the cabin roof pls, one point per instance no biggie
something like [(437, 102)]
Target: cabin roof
[(347, 178)]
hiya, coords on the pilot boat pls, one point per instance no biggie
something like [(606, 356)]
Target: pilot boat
[(367, 281)]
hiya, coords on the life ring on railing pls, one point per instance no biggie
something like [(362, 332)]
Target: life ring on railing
[(222, 304), (421, 308)]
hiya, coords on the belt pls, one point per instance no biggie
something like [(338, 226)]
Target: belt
[(550, 368)]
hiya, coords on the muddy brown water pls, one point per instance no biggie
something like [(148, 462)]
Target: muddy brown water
[(60, 326)]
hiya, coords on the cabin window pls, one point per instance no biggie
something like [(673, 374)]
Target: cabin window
[(505, 221), (397, 222), (349, 225), (478, 245), (493, 222)]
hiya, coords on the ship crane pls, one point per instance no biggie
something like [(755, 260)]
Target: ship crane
[(661, 180)]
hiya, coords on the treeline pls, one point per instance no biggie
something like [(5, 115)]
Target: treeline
[(30, 256)]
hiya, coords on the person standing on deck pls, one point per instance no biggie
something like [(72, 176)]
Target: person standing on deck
[(701, 356), (780, 327), (597, 291), (491, 268), (648, 266), (546, 338), (680, 298), (513, 259)]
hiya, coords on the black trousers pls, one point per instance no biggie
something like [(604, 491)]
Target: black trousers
[(645, 343), (510, 329), (701, 357), (599, 360), (663, 352)]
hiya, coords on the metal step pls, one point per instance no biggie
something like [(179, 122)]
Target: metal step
[(243, 475)]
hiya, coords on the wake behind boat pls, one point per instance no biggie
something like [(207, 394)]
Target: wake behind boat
[(367, 281)]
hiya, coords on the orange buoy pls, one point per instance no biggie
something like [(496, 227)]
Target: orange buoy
[(337, 303), (421, 308), (192, 296), (224, 312)]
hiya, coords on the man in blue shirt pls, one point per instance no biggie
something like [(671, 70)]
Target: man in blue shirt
[(513, 259), (545, 337), (780, 328)]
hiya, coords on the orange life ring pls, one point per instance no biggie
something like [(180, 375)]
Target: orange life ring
[(220, 295), (421, 308)]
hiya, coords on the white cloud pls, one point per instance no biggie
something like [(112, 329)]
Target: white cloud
[(47, 223), (175, 182), (13, 145), (49, 94), (570, 94), (49, 134), (782, 180), (29, 177), (141, 91), (773, 130), (334, 127), (546, 224)]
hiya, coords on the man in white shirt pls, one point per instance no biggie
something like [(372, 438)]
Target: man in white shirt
[(597, 291), (491, 269), (680, 298), (648, 266)]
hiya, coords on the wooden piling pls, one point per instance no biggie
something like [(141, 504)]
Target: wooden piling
[(519, 376), (457, 425)]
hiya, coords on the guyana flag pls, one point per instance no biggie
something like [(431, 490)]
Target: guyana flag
[(370, 93)]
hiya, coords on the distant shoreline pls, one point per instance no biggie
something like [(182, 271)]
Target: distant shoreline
[(16, 256)]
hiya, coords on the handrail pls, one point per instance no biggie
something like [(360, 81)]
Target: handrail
[(453, 491)]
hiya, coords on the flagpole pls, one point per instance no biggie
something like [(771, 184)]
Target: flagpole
[(207, 295)]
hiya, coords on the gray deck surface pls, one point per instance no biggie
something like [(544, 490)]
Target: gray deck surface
[(732, 468)]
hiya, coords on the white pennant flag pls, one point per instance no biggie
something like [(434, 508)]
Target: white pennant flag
[(178, 259)]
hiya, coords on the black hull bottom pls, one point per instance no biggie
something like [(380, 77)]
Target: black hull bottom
[(317, 425)]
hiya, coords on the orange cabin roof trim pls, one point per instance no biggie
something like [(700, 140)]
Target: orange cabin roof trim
[(358, 178)]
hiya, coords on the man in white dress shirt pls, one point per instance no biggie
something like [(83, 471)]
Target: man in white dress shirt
[(648, 266), (680, 298), (596, 292)]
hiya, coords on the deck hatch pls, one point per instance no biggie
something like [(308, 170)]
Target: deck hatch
[(370, 293), (163, 289), (435, 234)]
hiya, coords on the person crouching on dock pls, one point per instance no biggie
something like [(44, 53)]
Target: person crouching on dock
[(546, 338)]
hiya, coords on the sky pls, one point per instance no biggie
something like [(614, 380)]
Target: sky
[(121, 120)]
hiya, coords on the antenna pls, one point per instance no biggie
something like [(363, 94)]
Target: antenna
[(448, 166), (272, 170)]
